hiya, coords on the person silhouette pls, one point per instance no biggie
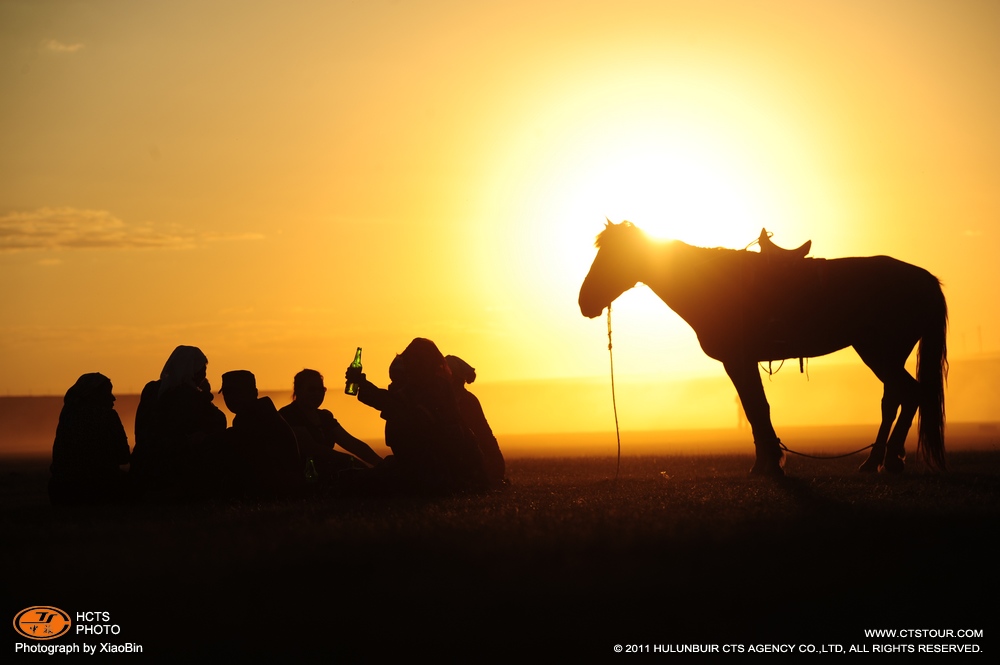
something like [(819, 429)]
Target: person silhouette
[(178, 430), (463, 373), (263, 447), (318, 432), (433, 450), (90, 445)]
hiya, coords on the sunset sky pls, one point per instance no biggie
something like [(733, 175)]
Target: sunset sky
[(279, 183)]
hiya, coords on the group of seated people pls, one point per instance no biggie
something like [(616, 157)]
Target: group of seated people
[(439, 438)]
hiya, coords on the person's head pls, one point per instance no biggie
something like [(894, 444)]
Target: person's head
[(461, 371), (91, 391), (308, 389), (239, 390), (419, 361), (186, 365)]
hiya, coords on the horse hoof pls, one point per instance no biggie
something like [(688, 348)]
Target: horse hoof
[(769, 460), (874, 461), (767, 469), (892, 465), (870, 466)]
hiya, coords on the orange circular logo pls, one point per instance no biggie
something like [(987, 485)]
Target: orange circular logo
[(41, 622)]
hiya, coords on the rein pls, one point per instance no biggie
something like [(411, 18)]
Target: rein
[(795, 452), (614, 403), (618, 435)]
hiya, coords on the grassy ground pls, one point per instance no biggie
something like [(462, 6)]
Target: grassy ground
[(568, 562)]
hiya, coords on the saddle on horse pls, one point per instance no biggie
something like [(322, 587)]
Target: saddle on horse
[(769, 249), (781, 259)]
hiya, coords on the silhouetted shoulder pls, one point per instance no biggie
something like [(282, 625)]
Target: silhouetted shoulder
[(90, 445)]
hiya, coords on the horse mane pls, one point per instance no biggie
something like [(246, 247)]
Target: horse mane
[(614, 232), (711, 251)]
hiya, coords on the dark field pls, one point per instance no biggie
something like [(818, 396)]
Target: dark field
[(566, 563)]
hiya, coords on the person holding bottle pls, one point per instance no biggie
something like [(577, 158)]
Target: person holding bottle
[(433, 450)]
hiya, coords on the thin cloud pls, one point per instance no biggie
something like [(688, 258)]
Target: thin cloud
[(56, 46), (57, 229)]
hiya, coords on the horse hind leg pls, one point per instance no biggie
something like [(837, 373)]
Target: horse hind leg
[(895, 451), (890, 409), (900, 398)]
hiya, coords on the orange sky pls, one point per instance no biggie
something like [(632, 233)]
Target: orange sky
[(278, 183)]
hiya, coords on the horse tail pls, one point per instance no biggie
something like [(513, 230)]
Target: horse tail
[(932, 374)]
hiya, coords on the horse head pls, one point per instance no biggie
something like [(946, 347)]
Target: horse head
[(615, 270)]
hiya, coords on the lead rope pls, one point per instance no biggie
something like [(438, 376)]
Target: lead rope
[(614, 403), (618, 435)]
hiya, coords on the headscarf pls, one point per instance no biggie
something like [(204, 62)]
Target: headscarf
[(86, 388), (418, 362), (461, 369), (181, 367)]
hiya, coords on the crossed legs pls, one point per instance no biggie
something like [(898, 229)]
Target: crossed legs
[(900, 399)]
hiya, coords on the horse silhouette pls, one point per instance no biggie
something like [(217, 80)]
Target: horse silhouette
[(749, 307)]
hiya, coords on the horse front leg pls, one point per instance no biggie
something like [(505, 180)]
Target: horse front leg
[(746, 379)]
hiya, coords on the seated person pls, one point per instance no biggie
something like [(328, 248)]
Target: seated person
[(263, 448), (432, 448), (318, 432), (90, 445), (474, 418), (178, 431)]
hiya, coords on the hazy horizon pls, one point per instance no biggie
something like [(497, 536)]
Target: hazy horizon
[(278, 185), (574, 416)]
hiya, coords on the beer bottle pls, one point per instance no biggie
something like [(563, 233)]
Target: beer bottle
[(312, 475), (352, 388)]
